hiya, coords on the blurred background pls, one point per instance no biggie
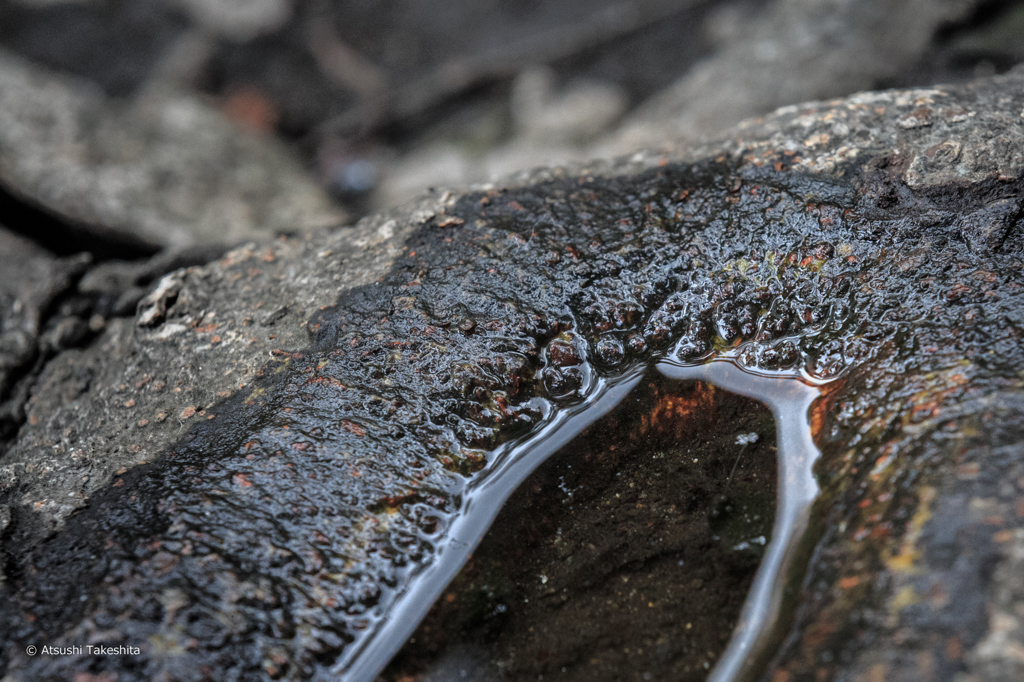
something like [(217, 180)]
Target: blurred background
[(359, 105)]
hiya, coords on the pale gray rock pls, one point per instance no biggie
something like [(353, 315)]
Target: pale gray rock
[(166, 169), (238, 20), (201, 334), (999, 657), (787, 52), (571, 115), (931, 136)]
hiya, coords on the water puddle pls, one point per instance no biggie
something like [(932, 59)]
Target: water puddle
[(348, 487), (789, 398), (677, 401)]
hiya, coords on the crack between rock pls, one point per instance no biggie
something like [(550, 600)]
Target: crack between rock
[(64, 237)]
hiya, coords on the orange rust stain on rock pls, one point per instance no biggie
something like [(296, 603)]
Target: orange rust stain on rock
[(676, 415), (824, 406), (954, 649), (327, 381), (1002, 536), (252, 108), (352, 427)]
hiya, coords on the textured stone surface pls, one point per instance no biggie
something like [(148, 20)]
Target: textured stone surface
[(935, 594), (200, 335), (838, 237), (932, 136), (30, 281), (163, 170)]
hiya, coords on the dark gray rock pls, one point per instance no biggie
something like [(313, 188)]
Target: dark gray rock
[(282, 496), (928, 606), (118, 286), (31, 280)]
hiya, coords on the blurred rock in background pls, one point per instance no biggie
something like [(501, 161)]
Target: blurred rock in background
[(378, 102), (164, 169), (787, 52)]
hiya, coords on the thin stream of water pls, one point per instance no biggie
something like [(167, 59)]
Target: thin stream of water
[(482, 504), (789, 397)]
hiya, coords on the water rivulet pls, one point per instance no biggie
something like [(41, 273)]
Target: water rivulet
[(332, 501), (628, 554)]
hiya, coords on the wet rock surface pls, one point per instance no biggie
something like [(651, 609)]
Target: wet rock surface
[(261, 525), (162, 170), (625, 556)]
